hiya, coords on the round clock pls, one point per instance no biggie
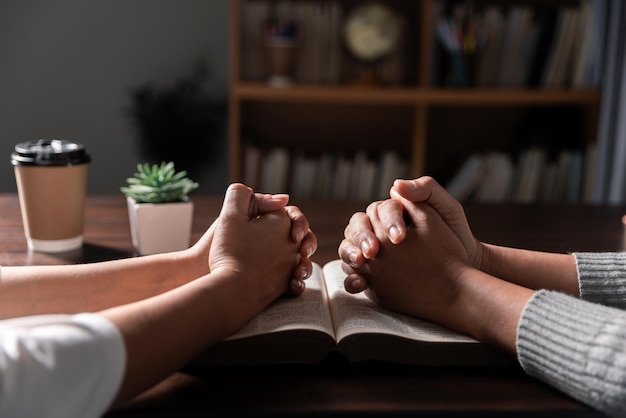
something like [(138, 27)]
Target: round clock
[(371, 31)]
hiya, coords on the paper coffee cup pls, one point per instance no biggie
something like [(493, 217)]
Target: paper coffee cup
[(51, 178)]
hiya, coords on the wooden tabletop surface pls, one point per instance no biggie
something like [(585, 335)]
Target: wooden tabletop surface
[(336, 387)]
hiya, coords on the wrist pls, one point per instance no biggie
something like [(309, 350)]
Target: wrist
[(484, 257), (191, 263), (489, 309), (226, 299)]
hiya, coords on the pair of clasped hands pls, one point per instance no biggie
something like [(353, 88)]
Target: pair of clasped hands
[(406, 252)]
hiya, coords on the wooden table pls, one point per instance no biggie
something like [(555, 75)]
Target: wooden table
[(336, 387)]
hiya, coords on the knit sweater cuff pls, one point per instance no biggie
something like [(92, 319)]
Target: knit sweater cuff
[(575, 346), (602, 277)]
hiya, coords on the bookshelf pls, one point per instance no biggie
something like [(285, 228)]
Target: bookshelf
[(433, 126)]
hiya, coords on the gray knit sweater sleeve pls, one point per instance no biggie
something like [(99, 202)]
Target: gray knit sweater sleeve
[(579, 346), (602, 278)]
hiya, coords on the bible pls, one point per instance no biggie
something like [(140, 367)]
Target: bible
[(326, 319)]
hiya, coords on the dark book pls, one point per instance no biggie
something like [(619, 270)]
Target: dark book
[(547, 20)]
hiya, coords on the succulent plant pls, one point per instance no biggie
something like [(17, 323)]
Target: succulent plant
[(158, 184)]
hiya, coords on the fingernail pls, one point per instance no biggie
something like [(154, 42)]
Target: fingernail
[(394, 233), (298, 283), (308, 251), (305, 273), (352, 256), (300, 235), (365, 245)]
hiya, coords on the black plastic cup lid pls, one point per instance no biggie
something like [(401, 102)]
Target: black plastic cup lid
[(49, 152)]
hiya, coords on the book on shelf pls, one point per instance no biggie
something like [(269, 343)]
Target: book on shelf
[(582, 42), (532, 177), (490, 47), (253, 16), (274, 171), (468, 177), (530, 167), (320, 54), (326, 319), (329, 175), (519, 39), (559, 64), (521, 45), (546, 21), (495, 185)]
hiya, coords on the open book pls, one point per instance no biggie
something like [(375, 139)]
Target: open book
[(326, 318)]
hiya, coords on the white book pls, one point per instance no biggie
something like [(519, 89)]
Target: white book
[(531, 167), (281, 170), (301, 177), (366, 187), (275, 171), (342, 177), (322, 187), (496, 184), (327, 320), (387, 173), (468, 178), (252, 166), (358, 171)]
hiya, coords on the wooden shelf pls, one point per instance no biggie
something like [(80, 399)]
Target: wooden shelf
[(248, 91), (432, 127)]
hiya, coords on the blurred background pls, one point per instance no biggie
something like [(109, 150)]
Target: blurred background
[(332, 99), (68, 70)]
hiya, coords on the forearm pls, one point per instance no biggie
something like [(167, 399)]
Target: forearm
[(488, 308), (165, 332), (531, 269), (92, 287)]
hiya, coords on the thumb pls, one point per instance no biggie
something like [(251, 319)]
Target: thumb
[(417, 190), (268, 203), (237, 200), (426, 189)]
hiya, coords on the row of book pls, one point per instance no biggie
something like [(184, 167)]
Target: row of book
[(520, 45), (496, 45), (329, 175), (320, 55), (533, 176)]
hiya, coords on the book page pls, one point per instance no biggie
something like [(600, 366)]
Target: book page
[(357, 314), (307, 311)]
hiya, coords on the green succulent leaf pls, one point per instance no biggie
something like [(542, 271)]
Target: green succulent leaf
[(158, 184)]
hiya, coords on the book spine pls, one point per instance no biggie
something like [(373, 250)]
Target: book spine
[(329, 175), (518, 46), (529, 177)]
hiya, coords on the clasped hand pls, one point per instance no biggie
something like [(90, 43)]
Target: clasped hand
[(259, 236), (408, 252)]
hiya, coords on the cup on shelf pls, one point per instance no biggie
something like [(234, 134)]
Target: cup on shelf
[(51, 178), (281, 53)]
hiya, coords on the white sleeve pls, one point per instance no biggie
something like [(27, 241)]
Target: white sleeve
[(59, 365)]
